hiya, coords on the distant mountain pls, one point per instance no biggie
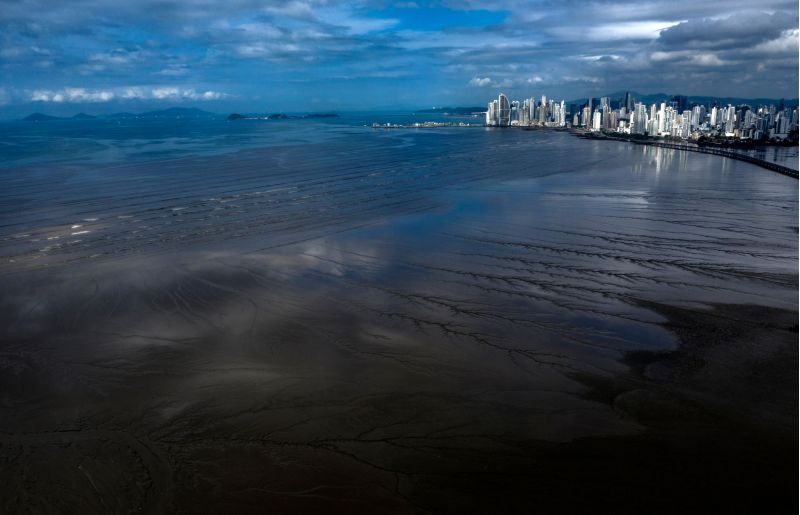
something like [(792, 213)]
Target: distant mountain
[(452, 110), (39, 117), (277, 116), (121, 115), (654, 98), (177, 112), (739, 101), (172, 112), (235, 116)]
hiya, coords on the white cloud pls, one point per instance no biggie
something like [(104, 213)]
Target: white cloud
[(688, 56), (174, 93), (706, 59), (82, 95), (634, 30), (296, 10), (260, 30), (75, 95), (174, 70), (480, 82), (40, 96), (785, 44)]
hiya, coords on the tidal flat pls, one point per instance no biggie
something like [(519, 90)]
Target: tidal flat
[(356, 321)]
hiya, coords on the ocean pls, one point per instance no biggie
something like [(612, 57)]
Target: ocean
[(319, 316)]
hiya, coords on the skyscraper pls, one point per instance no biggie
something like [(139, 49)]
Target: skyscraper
[(639, 119), (628, 102), (681, 102), (503, 111), (491, 113), (730, 120)]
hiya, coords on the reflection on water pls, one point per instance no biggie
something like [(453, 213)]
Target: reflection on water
[(364, 316), (786, 156)]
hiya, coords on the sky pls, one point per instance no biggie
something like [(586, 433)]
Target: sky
[(97, 56)]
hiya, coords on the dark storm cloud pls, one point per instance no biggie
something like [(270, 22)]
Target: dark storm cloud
[(738, 31), (365, 54)]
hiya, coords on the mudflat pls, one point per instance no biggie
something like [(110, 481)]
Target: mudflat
[(400, 323)]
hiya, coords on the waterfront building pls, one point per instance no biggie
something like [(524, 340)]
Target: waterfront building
[(492, 115), (597, 121), (503, 111)]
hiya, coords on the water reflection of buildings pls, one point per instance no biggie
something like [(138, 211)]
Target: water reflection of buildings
[(662, 158)]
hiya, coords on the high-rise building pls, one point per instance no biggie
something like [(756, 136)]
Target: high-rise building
[(730, 120), (597, 121), (524, 112), (639, 119), (503, 111), (491, 113), (628, 102)]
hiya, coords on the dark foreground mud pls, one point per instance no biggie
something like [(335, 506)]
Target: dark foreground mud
[(719, 431)]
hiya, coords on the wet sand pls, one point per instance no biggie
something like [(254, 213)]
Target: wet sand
[(300, 331)]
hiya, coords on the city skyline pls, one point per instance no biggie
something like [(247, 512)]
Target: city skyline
[(346, 56), (676, 116)]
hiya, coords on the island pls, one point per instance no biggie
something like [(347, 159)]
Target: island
[(39, 117)]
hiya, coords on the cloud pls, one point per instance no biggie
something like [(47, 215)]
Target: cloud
[(740, 30), (340, 53), (73, 95), (294, 9), (174, 70), (480, 82), (632, 30), (82, 95)]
